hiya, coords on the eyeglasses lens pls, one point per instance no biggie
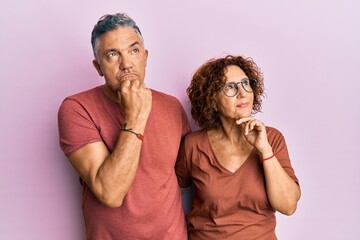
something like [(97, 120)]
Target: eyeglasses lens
[(231, 89)]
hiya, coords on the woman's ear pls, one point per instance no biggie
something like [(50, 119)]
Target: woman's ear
[(215, 107), (97, 67), (215, 100)]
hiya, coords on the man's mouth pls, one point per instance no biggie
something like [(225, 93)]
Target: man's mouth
[(128, 76)]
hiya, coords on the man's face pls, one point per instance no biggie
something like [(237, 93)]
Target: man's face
[(120, 55)]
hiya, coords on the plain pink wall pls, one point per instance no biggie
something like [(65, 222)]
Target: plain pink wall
[(309, 53)]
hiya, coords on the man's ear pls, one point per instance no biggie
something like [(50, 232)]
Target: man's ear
[(146, 56), (97, 67)]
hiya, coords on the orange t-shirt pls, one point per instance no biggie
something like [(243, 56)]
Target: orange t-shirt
[(152, 208), (228, 205)]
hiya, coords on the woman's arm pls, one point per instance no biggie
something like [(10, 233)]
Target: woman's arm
[(283, 192)]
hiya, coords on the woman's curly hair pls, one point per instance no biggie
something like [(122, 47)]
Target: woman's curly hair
[(208, 80)]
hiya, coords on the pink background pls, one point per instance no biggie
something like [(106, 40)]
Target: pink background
[(309, 53)]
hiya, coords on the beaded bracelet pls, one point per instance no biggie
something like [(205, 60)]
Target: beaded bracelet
[(138, 135)]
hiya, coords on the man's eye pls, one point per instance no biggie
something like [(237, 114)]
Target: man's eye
[(111, 54), (135, 50)]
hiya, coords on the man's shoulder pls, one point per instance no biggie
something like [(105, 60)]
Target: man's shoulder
[(80, 100), (159, 94), (84, 94), (164, 97)]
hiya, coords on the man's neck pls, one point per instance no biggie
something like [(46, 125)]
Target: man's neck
[(110, 93)]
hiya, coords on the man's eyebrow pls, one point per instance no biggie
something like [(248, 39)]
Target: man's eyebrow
[(116, 50), (110, 50), (135, 43)]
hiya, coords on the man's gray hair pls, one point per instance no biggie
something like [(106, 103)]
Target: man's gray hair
[(110, 22)]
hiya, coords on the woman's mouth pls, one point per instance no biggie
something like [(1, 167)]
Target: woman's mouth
[(242, 105)]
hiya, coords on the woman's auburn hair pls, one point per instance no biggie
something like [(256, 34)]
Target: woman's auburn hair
[(208, 80)]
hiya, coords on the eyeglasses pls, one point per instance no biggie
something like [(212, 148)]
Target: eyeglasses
[(230, 89)]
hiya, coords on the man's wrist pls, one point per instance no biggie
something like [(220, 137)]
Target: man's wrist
[(130, 130)]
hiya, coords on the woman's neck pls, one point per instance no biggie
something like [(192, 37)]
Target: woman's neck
[(228, 132)]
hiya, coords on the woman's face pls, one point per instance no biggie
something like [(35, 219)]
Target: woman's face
[(240, 105)]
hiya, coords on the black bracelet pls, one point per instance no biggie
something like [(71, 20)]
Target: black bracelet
[(138, 135)]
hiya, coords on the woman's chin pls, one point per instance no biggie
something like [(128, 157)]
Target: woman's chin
[(245, 115)]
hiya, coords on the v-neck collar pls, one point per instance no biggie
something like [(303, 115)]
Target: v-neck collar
[(215, 161)]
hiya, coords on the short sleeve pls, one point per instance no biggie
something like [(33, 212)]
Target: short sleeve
[(278, 143), (76, 128), (186, 126), (182, 167)]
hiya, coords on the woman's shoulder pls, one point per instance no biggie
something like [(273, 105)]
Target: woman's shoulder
[(195, 136), (275, 136), (270, 129), (196, 141)]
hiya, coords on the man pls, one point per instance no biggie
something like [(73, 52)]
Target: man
[(123, 139)]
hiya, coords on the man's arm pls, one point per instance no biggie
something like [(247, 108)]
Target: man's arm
[(110, 175)]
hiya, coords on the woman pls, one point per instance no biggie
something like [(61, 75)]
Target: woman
[(240, 168)]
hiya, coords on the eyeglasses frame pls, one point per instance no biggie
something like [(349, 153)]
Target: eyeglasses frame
[(252, 82)]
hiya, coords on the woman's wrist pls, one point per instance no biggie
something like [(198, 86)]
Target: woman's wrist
[(266, 152), (267, 158)]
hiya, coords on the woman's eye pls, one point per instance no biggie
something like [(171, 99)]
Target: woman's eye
[(245, 82), (229, 86)]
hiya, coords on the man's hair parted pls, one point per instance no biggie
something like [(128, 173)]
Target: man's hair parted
[(110, 22)]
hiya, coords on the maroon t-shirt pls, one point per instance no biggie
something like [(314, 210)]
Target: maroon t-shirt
[(228, 205), (152, 209)]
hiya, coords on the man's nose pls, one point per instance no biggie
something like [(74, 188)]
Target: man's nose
[(125, 63)]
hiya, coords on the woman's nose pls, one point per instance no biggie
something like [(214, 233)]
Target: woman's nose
[(241, 91)]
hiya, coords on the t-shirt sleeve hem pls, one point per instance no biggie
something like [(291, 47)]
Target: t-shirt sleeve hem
[(74, 149)]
